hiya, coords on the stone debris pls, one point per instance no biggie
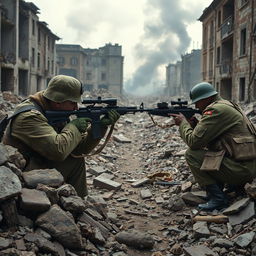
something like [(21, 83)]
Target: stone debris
[(136, 239), (126, 212)]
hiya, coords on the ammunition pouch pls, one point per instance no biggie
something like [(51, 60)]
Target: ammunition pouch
[(212, 160), (241, 148)]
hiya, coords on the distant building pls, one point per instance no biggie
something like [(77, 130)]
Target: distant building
[(95, 68), (27, 48), (173, 79), (190, 70), (183, 75), (229, 48)]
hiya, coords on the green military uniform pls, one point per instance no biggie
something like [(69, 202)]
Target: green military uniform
[(219, 123), (44, 147)]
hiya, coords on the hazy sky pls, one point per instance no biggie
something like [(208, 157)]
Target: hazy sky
[(153, 33)]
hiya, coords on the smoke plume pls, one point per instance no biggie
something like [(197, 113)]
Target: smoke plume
[(165, 38)]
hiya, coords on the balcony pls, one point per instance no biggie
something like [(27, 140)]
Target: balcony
[(226, 68), (227, 27)]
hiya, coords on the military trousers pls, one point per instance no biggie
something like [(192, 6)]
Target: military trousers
[(72, 169), (231, 171)]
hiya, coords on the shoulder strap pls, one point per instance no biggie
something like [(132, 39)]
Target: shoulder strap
[(249, 123)]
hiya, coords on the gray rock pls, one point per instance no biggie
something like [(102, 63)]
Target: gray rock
[(136, 239), (10, 185), (74, 204), (42, 243), (121, 138), (199, 250), (191, 199), (237, 206), (93, 213), (105, 183), (50, 177), (34, 200), (3, 154), (245, 239), (96, 170), (145, 194), (243, 216), (4, 243), (200, 229), (66, 190), (223, 243), (15, 157), (61, 227), (25, 222)]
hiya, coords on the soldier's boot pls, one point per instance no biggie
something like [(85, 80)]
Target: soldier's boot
[(218, 199), (238, 189)]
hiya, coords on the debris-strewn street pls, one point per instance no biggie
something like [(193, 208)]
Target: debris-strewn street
[(142, 201)]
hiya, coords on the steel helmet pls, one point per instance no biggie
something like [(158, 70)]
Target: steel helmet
[(62, 88), (201, 91)]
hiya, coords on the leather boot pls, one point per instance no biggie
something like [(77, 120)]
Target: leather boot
[(218, 199)]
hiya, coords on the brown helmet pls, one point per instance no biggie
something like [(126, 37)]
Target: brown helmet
[(62, 88)]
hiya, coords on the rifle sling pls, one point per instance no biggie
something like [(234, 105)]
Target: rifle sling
[(101, 147), (158, 125)]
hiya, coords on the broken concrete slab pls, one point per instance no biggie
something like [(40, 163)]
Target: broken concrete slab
[(243, 216), (10, 185), (102, 182), (145, 194), (50, 177), (199, 250), (121, 138), (237, 206), (61, 227), (34, 200), (136, 239), (140, 182)]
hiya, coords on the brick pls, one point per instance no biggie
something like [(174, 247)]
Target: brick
[(102, 182)]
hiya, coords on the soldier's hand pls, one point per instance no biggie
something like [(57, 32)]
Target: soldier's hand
[(178, 118), (81, 123), (193, 121), (111, 118)]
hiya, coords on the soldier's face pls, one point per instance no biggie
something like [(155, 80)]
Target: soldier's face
[(201, 104), (66, 105)]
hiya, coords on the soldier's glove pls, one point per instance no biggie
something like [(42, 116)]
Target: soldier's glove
[(111, 117), (81, 123)]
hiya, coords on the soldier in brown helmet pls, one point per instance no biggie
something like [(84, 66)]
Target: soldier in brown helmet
[(45, 146)]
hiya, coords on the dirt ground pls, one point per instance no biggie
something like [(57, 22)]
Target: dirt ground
[(133, 163)]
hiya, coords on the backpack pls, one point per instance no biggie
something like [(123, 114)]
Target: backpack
[(5, 121)]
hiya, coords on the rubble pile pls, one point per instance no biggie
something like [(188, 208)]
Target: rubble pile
[(142, 201)]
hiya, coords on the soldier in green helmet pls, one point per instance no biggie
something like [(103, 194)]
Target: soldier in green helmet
[(45, 146), (222, 145)]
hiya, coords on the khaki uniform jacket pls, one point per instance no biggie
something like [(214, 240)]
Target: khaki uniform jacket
[(219, 122), (44, 147)]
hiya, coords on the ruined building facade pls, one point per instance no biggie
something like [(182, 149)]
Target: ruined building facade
[(184, 74), (229, 48), (96, 68), (27, 48)]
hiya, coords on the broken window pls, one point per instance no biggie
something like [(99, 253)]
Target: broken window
[(38, 60), (218, 55), (243, 42), (103, 76), (74, 61), (88, 76), (242, 89)]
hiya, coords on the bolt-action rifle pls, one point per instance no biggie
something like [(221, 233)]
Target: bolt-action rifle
[(95, 112)]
